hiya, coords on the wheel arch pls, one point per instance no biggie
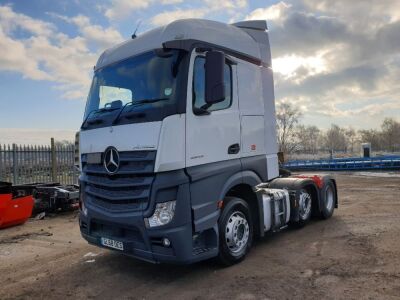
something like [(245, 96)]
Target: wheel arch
[(241, 185)]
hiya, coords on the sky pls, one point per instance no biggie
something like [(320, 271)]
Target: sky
[(337, 61)]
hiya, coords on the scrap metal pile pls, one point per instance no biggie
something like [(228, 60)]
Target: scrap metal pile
[(20, 202)]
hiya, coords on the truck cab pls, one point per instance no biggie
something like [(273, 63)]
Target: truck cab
[(178, 146)]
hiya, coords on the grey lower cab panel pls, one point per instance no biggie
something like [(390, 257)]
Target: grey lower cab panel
[(206, 184), (210, 182), (257, 164)]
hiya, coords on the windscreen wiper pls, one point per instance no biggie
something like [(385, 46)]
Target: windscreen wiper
[(96, 111), (137, 103)]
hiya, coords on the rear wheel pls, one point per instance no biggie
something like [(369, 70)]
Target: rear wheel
[(235, 231), (329, 194)]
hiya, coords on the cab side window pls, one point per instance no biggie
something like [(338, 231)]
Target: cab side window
[(199, 86)]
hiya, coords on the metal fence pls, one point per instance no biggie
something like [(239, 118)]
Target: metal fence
[(22, 164)]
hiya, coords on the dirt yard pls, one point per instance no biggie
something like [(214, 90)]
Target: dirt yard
[(353, 255)]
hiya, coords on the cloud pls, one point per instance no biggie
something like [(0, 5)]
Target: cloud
[(225, 4), (11, 21), (326, 54), (169, 16), (122, 8), (48, 54), (275, 13), (326, 57), (359, 15), (15, 57), (209, 7), (298, 66), (101, 37), (67, 60), (307, 33), (168, 2)]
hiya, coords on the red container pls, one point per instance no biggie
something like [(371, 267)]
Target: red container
[(13, 210)]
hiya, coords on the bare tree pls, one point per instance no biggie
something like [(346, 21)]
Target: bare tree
[(351, 136), (391, 134), (372, 136), (63, 143), (335, 139), (287, 117), (308, 138)]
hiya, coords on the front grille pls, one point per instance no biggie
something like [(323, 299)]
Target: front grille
[(126, 190)]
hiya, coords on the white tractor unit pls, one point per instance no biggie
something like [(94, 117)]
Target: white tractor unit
[(178, 147)]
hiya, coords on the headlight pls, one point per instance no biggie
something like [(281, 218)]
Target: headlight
[(163, 214)]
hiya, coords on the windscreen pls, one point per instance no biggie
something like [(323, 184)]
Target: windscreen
[(152, 77)]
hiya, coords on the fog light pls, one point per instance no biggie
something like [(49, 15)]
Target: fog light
[(163, 214), (166, 242)]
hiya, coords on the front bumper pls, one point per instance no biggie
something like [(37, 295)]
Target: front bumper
[(146, 243)]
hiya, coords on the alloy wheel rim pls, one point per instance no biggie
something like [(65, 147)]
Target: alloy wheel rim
[(304, 205), (237, 232)]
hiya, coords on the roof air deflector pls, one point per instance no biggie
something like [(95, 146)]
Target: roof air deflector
[(254, 24)]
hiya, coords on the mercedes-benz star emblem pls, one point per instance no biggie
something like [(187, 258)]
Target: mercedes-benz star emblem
[(111, 160)]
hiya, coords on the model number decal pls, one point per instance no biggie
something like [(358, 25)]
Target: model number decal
[(197, 156), (143, 147)]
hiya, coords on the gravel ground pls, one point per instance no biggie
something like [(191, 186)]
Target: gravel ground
[(353, 255)]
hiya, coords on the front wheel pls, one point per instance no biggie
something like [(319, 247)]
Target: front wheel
[(235, 231)]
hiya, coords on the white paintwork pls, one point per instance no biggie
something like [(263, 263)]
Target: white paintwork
[(251, 101), (171, 150), (203, 139), (131, 137), (262, 40), (209, 136), (267, 212), (272, 166), (271, 145), (251, 107), (257, 110), (253, 136), (225, 35)]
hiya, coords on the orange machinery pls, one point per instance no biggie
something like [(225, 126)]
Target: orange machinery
[(16, 204)]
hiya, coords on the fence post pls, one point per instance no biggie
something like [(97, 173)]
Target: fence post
[(53, 161), (15, 163)]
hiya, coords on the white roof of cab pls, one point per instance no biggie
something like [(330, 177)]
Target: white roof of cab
[(228, 36)]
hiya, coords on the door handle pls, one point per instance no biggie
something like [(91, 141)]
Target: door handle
[(234, 149)]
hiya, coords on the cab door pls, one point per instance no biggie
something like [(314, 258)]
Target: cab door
[(212, 136)]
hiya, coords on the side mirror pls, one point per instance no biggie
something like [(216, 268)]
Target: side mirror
[(214, 85)]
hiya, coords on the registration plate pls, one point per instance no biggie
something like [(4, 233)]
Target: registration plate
[(112, 244)]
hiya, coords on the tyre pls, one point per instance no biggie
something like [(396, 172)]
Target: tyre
[(235, 231), (329, 198), (284, 172), (305, 208)]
